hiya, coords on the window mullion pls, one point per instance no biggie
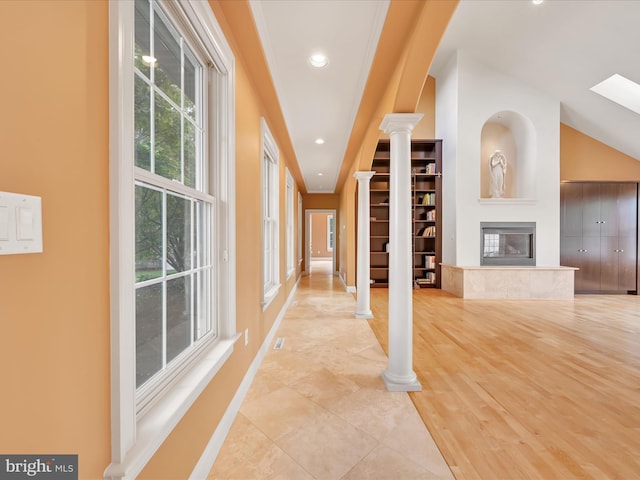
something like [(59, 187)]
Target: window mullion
[(164, 279), (171, 185), (194, 264), (182, 112), (152, 92)]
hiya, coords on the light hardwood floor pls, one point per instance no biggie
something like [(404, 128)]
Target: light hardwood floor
[(528, 389)]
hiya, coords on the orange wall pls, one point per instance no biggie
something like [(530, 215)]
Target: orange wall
[(54, 306), (319, 247), (321, 201), (426, 128), (585, 158)]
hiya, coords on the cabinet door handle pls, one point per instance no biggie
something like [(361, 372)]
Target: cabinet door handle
[(620, 251)]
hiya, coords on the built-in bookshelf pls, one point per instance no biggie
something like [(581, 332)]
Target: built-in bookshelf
[(426, 183)]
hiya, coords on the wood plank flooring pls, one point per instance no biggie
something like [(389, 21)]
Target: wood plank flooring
[(527, 389)]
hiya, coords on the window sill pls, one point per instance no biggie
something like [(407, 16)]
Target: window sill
[(269, 296), (156, 424)]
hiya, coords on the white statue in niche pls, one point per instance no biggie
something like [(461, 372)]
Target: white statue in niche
[(498, 170)]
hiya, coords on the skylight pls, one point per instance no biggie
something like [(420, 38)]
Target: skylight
[(620, 90)]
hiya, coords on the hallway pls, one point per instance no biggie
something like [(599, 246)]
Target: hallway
[(318, 408)]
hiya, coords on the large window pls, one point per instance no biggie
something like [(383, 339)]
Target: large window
[(270, 225), (174, 205), (172, 196), (290, 230), (330, 232)]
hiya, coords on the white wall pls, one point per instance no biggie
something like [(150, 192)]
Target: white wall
[(446, 128), (468, 94)]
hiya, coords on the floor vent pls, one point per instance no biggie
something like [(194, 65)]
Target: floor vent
[(279, 343)]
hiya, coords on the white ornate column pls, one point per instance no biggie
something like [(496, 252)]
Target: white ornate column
[(363, 306), (399, 375)]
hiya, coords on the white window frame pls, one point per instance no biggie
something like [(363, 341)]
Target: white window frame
[(270, 175), (290, 232), (299, 228), (135, 437), (330, 233)]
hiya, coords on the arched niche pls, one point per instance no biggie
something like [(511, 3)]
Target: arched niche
[(513, 136)]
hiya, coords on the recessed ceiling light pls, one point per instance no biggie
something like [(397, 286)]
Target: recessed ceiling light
[(537, 2), (318, 60), (320, 174), (620, 90), (319, 141)]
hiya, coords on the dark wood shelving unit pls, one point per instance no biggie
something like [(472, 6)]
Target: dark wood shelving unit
[(426, 181)]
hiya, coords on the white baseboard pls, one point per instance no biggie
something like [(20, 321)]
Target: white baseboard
[(211, 451), (348, 288)]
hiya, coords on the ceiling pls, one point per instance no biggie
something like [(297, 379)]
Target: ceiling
[(560, 47), (319, 102)]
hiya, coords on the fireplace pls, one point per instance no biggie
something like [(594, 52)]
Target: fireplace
[(508, 243)]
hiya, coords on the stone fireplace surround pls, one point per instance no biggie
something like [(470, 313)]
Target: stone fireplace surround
[(504, 276), (551, 283)]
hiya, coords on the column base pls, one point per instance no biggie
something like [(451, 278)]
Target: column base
[(364, 315), (396, 384)]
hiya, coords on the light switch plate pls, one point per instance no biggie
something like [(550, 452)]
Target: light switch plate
[(4, 223), (20, 224)]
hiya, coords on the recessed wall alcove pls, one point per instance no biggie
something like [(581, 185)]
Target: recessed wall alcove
[(509, 138)]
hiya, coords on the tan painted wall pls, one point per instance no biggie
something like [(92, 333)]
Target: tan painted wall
[(319, 247), (426, 128), (585, 158), (54, 306), (321, 201)]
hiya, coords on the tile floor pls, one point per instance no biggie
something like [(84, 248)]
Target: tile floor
[(318, 408)]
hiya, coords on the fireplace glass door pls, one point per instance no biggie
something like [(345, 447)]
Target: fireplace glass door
[(508, 243)]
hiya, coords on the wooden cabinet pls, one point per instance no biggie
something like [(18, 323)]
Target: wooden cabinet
[(426, 183), (599, 231)]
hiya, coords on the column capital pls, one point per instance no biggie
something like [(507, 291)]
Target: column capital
[(364, 175), (393, 122)]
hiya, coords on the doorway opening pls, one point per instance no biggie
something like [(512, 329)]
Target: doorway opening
[(320, 251)]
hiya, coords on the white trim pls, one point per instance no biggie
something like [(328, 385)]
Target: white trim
[(134, 441), (299, 228), (289, 223), (307, 252), (122, 261), (330, 241), (270, 186), (159, 421), (348, 288), (211, 451)]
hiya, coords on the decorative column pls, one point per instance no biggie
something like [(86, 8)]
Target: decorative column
[(363, 285), (399, 375)]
